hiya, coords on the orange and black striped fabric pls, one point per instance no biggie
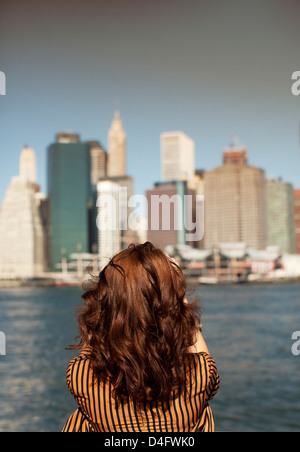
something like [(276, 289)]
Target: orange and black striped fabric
[(97, 411)]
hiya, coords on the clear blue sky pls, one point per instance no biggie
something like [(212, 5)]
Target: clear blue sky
[(210, 69)]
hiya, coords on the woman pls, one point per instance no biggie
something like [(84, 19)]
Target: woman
[(144, 365)]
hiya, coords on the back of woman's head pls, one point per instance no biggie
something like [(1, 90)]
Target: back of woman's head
[(138, 325)]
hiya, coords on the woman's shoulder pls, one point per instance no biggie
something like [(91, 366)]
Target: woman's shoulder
[(203, 359), (205, 371), (80, 359), (78, 369)]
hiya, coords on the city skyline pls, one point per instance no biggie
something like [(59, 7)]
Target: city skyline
[(238, 200), (213, 79), (42, 180)]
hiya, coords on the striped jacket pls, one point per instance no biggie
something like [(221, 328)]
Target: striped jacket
[(97, 410)]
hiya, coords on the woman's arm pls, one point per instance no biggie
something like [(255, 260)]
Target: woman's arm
[(77, 423), (200, 344)]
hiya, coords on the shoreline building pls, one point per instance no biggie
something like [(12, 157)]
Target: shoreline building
[(297, 220), (22, 226), (280, 208), (235, 201), (70, 196)]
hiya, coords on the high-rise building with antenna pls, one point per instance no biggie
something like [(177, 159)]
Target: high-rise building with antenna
[(235, 201), (116, 147)]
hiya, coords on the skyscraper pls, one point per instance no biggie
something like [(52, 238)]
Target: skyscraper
[(98, 161), (177, 157), (116, 175), (108, 220), (22, 233), (28, 169), (69, 191), (116, 148), (297, 220), (235, 202), (280, 208)]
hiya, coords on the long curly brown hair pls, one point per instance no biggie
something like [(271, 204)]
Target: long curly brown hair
[(138, 325)]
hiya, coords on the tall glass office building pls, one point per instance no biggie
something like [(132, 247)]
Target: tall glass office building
[(69, 191)]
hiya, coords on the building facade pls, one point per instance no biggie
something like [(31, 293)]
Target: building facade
[(22, 227), (69, 191), (235, 202), (98, 161), (116, 147), (125, 188), (28, 166), (177, 156), (280, 208), (170, 204), (108, 220), (116, 180), (297, 220)]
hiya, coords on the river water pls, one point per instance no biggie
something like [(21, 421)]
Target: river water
[(248, 329)]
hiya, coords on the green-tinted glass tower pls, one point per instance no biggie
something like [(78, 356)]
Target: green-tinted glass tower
[(69, 190)]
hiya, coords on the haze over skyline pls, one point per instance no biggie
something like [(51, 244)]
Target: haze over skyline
[(211, 70)]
